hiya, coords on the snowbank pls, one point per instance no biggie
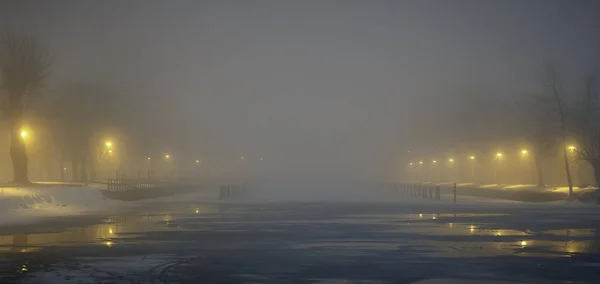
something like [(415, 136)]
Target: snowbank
[(20, 205)]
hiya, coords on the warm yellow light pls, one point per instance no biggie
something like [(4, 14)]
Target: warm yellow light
[(524, 152), (434, 161), (108, 144), (197, 161), (572, 148), (408, 163), (420, 162), (197, 211), (110, 151), (110, 231), (523, 243), (451, 160), (433, 217), (167, 156), (148, 158), (23, 134), (499, 155), (472, 157), (108, 244), (420, 215), (65, 169)]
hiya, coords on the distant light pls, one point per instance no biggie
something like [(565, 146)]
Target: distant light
[(108, 244), (410, 163), (149, 158), (499, 155), (524, 152), (420, 162), (451, 160), (434, 161), (433, 217), (197, 161), (23, 134), (472, 157), (572, 148), (261, 159), (523, 243), (108, 144), (65, 169), (110, 231), (167, 156), (242, 157), (420, 215), (197, 211), (110, 151)]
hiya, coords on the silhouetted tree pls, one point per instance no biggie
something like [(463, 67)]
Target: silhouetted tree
[(23, 67), (586, 125), (553, 98)]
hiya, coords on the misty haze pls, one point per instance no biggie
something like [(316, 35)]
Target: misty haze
[(300, 141)]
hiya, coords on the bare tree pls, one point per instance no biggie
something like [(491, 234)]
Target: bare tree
[(533, 126), (554, 93), (23, 67), (586, 126)]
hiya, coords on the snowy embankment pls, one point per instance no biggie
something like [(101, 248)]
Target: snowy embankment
[(22, 205), (518, 192)]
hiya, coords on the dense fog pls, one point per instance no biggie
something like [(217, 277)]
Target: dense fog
[(333, 92)]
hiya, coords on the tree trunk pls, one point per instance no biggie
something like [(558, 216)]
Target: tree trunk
[(75, 170), (83, 164), (18, 153), (540, 174), (62, 170), (596, 167), (568, 172)]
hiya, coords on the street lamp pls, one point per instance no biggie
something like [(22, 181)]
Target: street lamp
[(472, 158), (451, 160), (108, 144), (499, 155), (434, 161), (197, 161), (167, 156), (524, 152), (572, 148), (23, 134), (149, 158)]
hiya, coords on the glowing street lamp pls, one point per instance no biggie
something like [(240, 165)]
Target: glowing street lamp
[(149, 158), (108, 144), (472, 158), (451, 160), (410, 164), (434, 161), (572, 148), (524, 152), (420, 162), (23, 134), (197, 161), (499, 155), (167, 156)]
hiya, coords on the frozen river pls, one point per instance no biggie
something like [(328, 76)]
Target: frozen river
[(310, 242)]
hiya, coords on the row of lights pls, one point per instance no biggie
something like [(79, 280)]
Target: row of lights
[(498, 155)]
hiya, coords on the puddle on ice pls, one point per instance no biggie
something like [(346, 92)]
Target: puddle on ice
[(109, 233)]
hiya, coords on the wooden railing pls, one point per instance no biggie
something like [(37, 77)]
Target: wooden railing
[(128, 184)]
